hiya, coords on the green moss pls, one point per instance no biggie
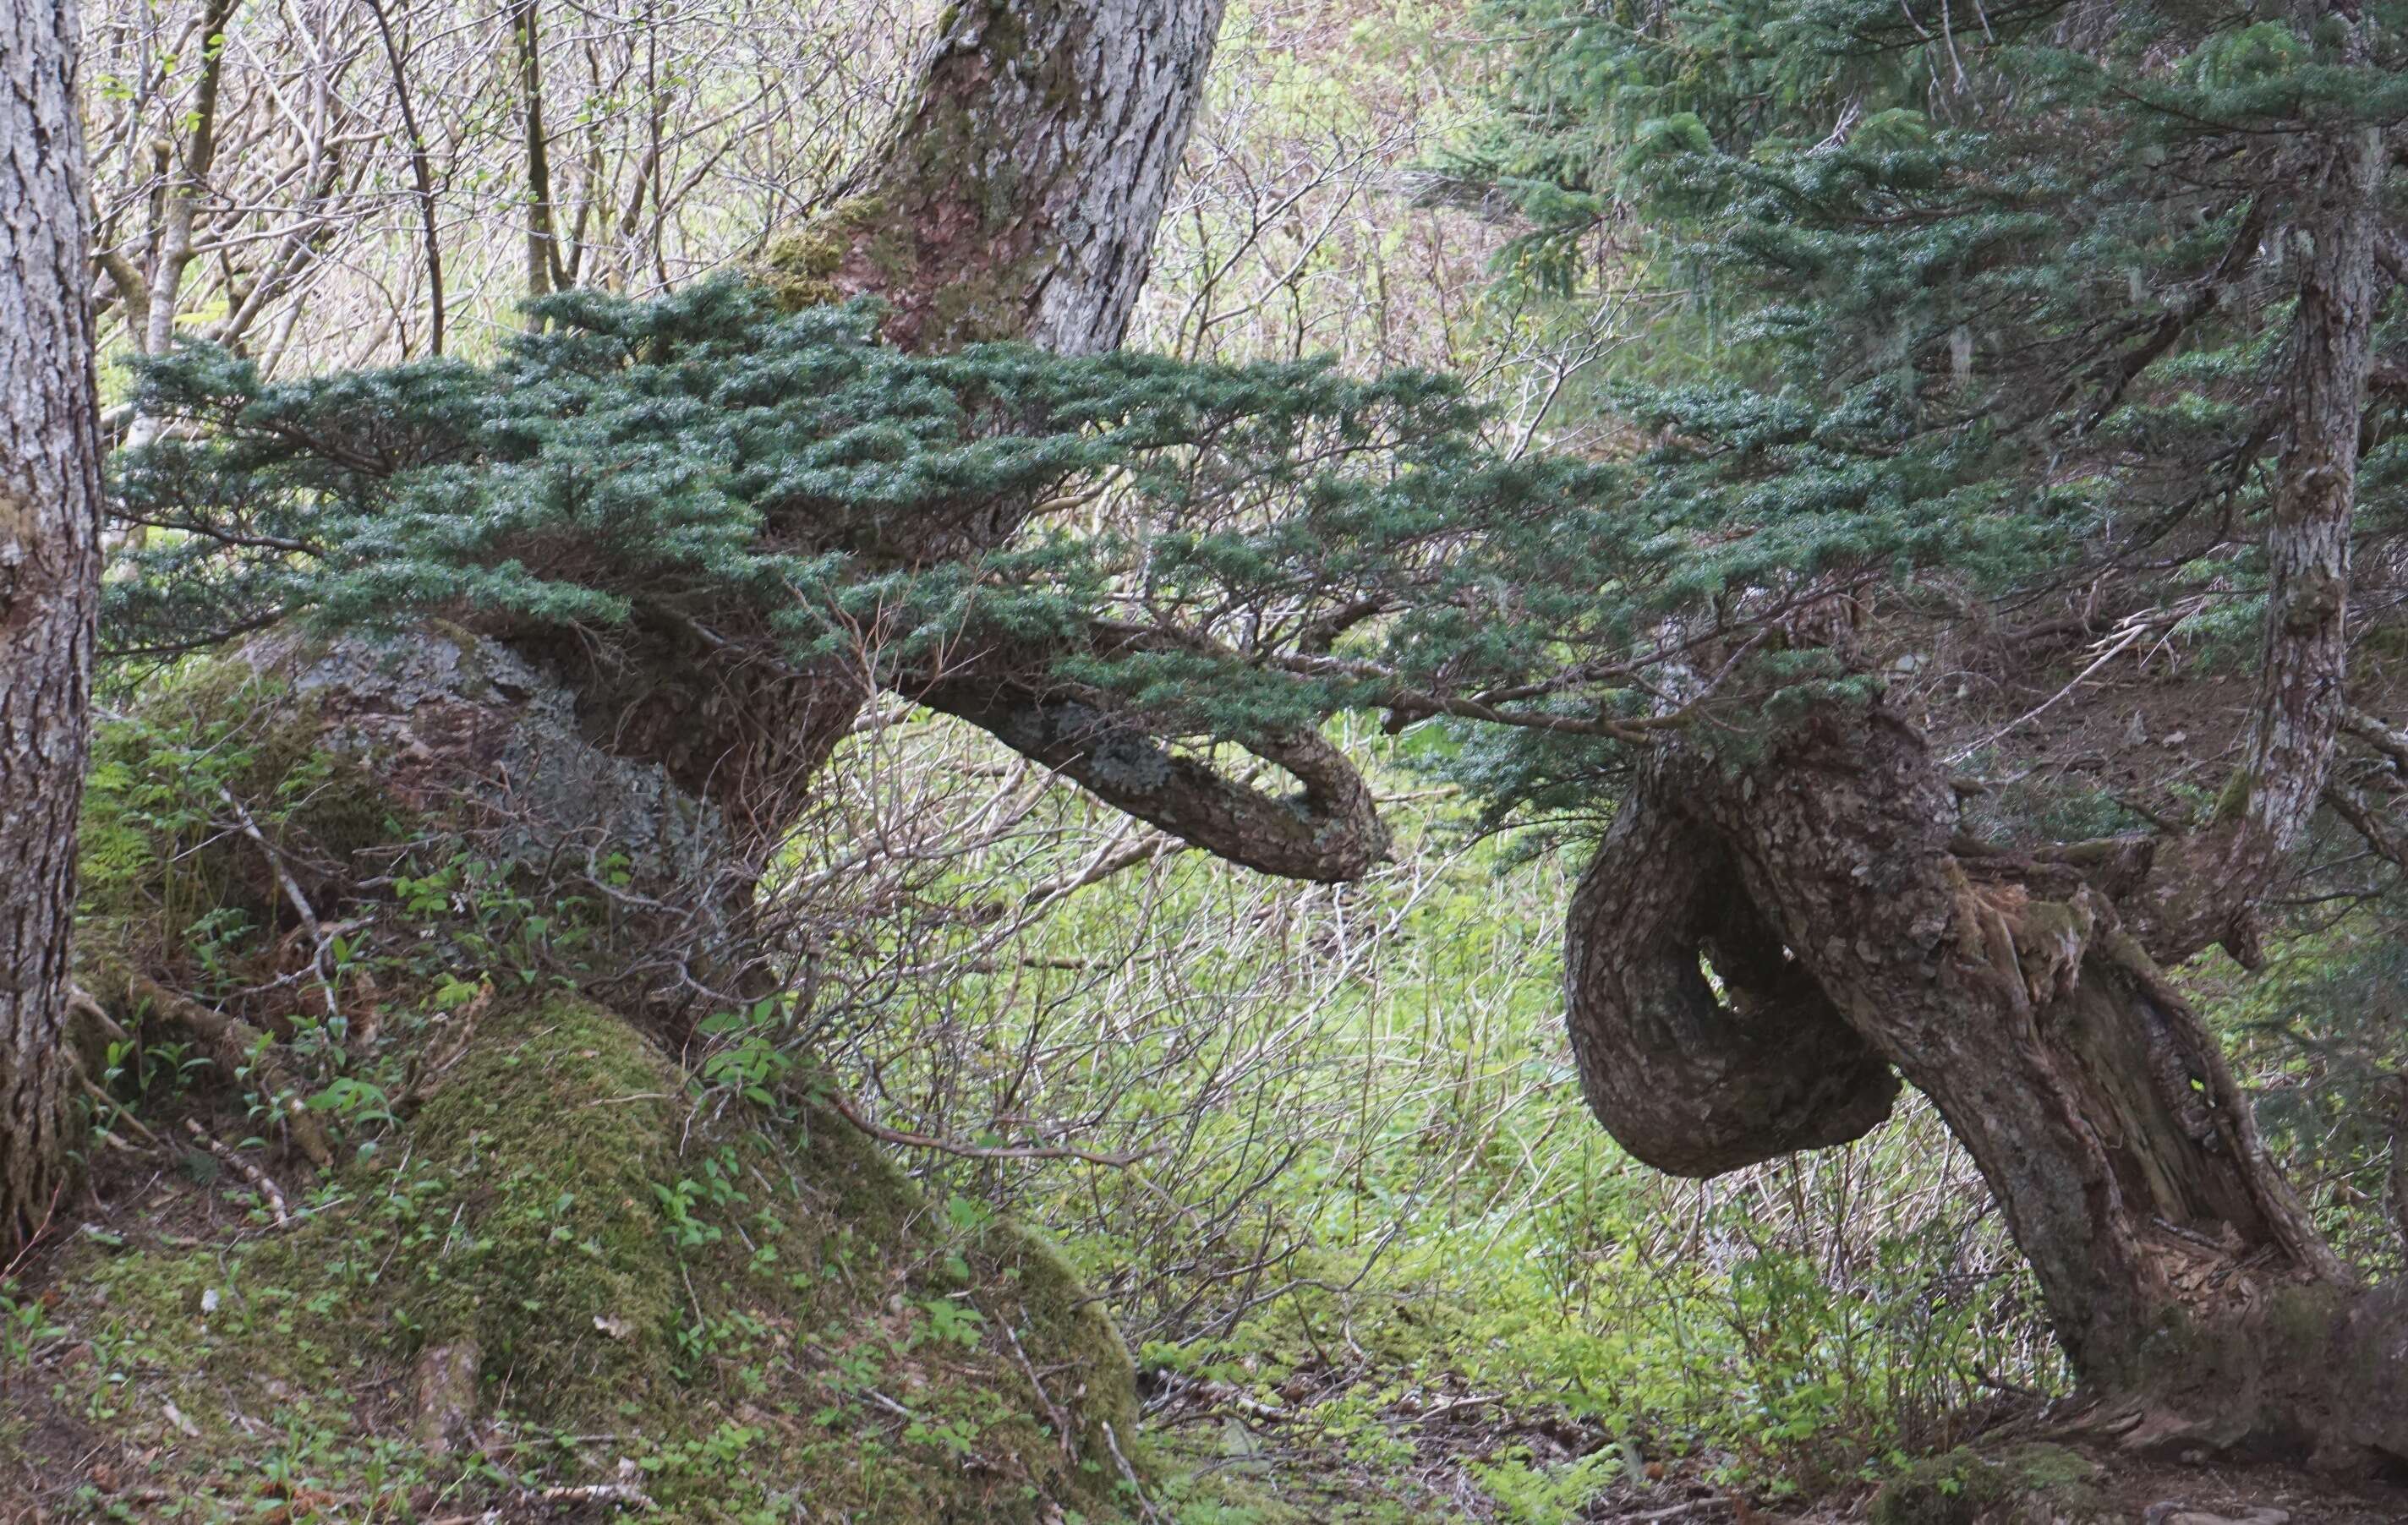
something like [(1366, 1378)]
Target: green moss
[(799, 266), (541, 1152), (753, 1312), (1965, 1487), (1068, 1332), (2234, 798)]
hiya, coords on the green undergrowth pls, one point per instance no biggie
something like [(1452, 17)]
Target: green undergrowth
[(1379, 1258), (733, 1315), (678, 1276), (171, 879), (1964, 1487)]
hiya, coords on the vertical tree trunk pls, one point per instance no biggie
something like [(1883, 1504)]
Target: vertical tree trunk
[(2177, 1268), (422, 173), (2212, 882), (50, 546), (545, 271), (180, 208), (1017, 197), (2099, 1109)]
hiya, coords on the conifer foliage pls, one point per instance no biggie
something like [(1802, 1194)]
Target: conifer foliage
[(1986, 331), (785, 477)]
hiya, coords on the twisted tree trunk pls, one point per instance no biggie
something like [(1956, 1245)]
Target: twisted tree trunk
[(1854, 930), (49, 547)]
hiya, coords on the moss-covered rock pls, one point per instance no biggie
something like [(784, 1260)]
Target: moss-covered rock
[(528, 1224), (550, 1254), (730, 1315)]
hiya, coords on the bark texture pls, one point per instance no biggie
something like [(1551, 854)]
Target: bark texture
[(1017, 199), (1328, 829), (1691, 1082), (2209, 885), (1853, 930), (49, 547), (2177, 1267)]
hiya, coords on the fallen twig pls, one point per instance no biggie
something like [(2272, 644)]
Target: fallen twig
[(252, 1173), (1053, 1410), (625, 1493), (116, 1112), (84, 1004), (1137, 1489), (451, 1049), (319, 935)]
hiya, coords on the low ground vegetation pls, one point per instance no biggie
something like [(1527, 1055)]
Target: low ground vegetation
[(444, 1235)]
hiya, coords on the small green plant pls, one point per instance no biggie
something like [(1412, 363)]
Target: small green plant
[(25, 1326), (745, 1054)]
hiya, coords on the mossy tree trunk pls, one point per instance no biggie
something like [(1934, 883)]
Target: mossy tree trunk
[(50, 548), (1853, 930)]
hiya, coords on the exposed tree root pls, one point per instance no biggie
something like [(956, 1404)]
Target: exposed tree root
[(237, 1047)]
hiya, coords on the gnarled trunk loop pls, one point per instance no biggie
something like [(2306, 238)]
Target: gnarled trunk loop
[(1821, 885), (1688, 1078)]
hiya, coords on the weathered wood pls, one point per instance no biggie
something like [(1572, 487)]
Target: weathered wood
[(2207, 887), (50, 550), (1328, 829), (2179, 1271), (2021, 991), (1688, 1080)]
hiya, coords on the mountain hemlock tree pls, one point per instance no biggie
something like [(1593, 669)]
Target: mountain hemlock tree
[(50, 548), (1988, 310), (1987, 342), (1016, 199)]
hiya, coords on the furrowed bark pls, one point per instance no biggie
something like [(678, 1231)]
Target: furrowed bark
[(2024, 994), (49, 568), (2208, 885), (1687, 1080), (2096, 1106), (1017, 198)]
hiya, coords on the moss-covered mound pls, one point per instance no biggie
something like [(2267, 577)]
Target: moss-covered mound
[(731, 1318)]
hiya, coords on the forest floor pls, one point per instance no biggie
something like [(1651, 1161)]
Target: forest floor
[(1288, 1464)]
